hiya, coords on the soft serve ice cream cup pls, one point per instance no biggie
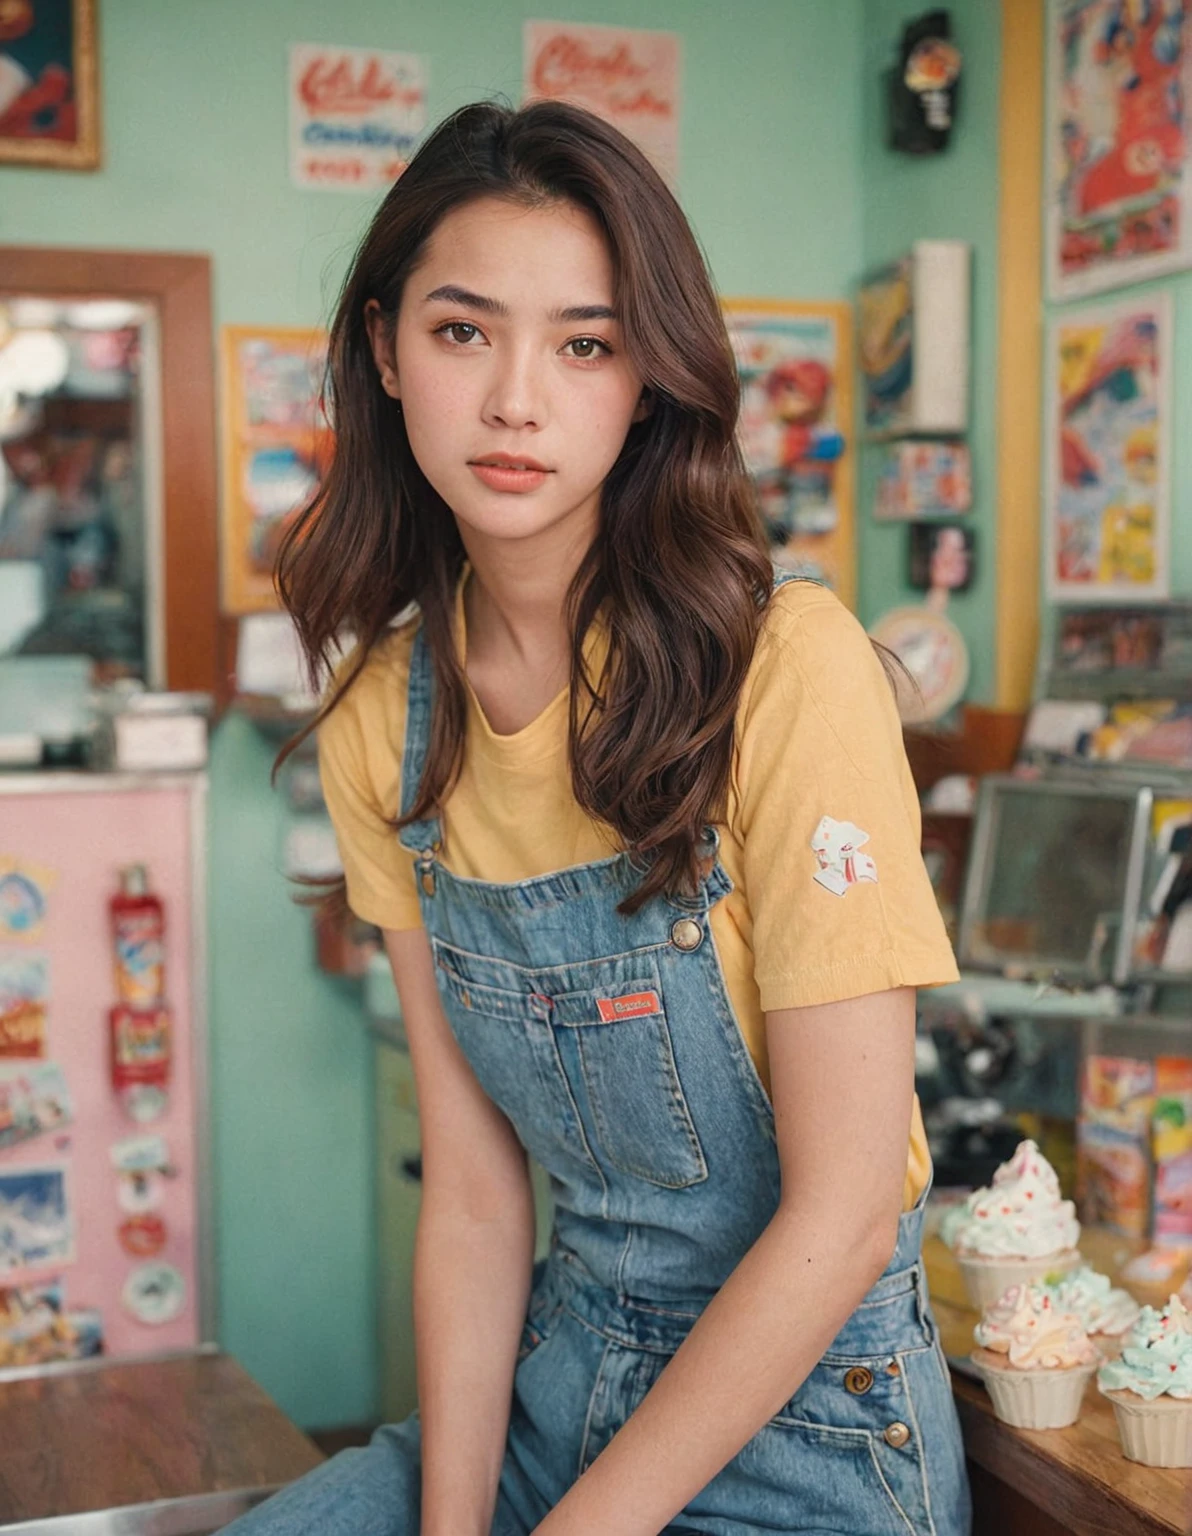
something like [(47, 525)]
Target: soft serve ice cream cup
[(1150, 1387), (1016, 1230), (1035, 1359), (1107, 1312)]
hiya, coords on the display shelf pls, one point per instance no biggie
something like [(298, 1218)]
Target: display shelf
[(1076, 1476), (980, 995)]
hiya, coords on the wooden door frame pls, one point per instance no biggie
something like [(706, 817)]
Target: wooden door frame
[(179, 289)]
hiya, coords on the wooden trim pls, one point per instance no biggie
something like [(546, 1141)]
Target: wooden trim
[(1019, 387), (179, 287), (987, 742), (84, 153)]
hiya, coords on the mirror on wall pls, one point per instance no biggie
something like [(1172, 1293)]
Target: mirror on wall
[(80, 484)]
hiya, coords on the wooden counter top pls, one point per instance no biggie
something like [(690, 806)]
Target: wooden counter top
[(107, 1436), (1077, 1476)]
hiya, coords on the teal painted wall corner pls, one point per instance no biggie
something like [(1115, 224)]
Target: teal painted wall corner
[(952, 195)]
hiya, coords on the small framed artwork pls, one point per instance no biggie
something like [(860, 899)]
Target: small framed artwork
[(943, 557), (914, 319), (275, 449), (49, 91), (796, 430), (1108, 451), (1119, 195)]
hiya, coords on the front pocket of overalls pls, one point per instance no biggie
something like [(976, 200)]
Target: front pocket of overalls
[(620, 1037), (510, 1046), (596, 1071), (866, 1442)]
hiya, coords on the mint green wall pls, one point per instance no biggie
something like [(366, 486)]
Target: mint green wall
[(953, 195), (194, 114)]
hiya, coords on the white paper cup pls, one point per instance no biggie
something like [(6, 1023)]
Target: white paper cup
[(1034, 1399), (1158, 1433), (987, 1280)]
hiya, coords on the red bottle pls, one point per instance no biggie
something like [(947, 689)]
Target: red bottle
[(138, 940)]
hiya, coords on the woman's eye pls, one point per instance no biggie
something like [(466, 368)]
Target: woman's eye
[(459, 331), (588, 347)]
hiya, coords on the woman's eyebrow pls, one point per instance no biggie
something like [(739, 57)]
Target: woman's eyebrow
[(450, 293)]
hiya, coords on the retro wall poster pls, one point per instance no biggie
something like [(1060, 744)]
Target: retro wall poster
[(795, 429), (103, 1199), (276, 446), (356, 116), (49, 107), (1109, 451), (1119, 178), (629, 77)]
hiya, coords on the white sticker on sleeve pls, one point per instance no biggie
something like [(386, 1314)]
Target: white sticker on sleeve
[(837, 846)]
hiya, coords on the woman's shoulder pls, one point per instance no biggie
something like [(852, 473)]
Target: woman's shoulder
[(807, 632)]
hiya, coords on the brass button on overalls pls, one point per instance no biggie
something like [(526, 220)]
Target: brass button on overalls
[(858, 1380), (686, 934), (896, 1434)]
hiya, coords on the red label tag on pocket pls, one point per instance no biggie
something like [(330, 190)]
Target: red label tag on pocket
[(635, 1006)]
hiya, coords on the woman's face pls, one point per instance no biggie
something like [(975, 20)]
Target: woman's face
[(511, 369)]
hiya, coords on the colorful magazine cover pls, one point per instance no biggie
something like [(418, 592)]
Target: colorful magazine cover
[(1120, 181)]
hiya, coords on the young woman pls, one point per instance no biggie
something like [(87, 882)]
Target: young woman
[(633, 812)]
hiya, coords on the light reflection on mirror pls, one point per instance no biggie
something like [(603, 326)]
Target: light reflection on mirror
[(78, 517)]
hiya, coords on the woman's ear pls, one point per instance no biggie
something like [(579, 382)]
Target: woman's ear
[(645, 405), (383, 341)]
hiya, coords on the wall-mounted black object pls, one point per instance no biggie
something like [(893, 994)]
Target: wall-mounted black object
[(923, 86)]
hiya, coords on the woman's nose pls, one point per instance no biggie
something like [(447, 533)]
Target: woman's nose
[(516, 395)]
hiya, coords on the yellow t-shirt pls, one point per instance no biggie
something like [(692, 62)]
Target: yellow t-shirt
[(818, 755)]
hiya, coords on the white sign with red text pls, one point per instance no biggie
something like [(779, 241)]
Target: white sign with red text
[(628, 77), (356, 116)]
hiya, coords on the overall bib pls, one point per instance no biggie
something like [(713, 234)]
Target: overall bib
[(611, 1044)]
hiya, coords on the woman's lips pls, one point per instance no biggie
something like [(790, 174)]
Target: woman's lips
[(508, 477)]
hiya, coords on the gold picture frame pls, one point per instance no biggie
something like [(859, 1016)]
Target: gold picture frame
[(810, 458), (275, 447), (80, 151)]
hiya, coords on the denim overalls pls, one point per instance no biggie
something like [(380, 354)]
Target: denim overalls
[(610, 1043)]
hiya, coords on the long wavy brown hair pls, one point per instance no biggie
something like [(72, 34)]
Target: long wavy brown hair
[(679, 568)]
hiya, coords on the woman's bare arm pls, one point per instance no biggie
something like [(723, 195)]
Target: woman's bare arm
[(473, 1253)]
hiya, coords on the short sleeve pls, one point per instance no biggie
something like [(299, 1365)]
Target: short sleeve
[(360, 771), (828, 815)]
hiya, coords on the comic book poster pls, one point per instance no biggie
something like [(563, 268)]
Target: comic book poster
[(886, 346), (49, 94), (1120, 183), (627, 76), (795, 430), (276, 448), (1108, 452)]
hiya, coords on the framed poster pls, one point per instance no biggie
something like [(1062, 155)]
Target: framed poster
[(276, 445), (49, 95), (795, 430), (914, 319), (356, 116), (1108, 451), (627, 76), (1119, 196)]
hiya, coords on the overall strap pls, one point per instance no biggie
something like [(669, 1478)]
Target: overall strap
[(419, 836), (782, 574)]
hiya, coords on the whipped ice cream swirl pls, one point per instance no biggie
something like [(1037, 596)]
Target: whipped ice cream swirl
[(1021, 1215)]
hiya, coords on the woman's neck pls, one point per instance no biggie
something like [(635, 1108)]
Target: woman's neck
[(518, 645)]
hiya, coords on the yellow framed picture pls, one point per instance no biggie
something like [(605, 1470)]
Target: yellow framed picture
[(796, 430), (275, 448)]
